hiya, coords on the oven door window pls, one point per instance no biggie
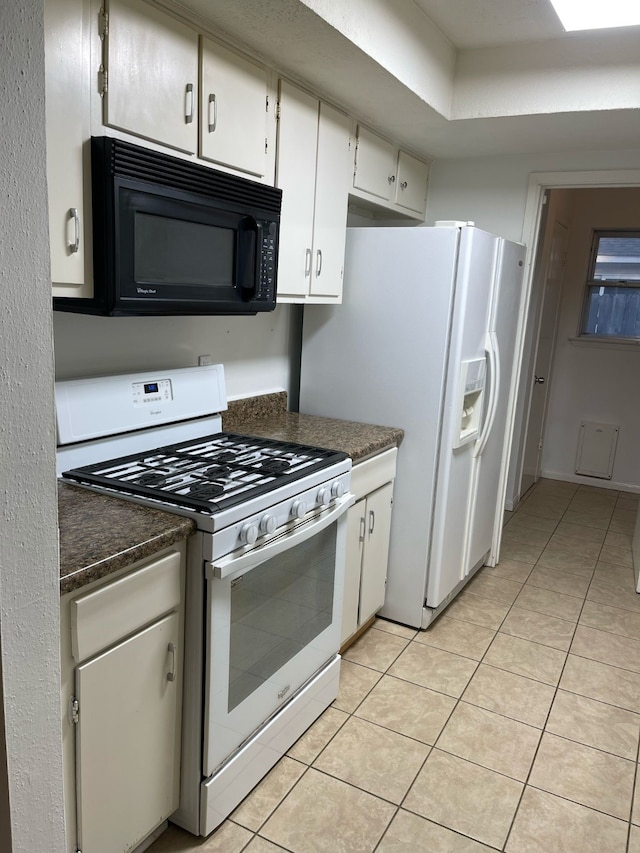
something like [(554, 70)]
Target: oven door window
[(278, 609)]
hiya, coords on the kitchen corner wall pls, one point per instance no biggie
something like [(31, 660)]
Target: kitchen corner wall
[(256, 351), (592, 382)]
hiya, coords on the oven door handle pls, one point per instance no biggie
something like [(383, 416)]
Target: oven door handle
[(245, 562)]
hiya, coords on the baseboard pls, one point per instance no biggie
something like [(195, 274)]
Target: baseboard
[(596, 482)]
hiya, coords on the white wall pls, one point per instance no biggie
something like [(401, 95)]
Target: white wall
[(592, 382), (593, 72), (254, 350), (400, 39), (492, 191), (29, 574)]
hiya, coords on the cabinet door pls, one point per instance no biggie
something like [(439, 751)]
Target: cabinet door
[(233, 107), (376, 552), (152, 72), (128, 739), (375, 167), (333, 167), (355, 542), (67, 70), (411, 184), (297, 146)]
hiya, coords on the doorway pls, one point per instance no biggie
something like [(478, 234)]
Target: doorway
[(547, 230)]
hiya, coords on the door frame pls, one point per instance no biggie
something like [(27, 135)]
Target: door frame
[(538, 184)]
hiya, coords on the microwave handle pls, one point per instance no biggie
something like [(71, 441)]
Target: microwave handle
[(250, 255)]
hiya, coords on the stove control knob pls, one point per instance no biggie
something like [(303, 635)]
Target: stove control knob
[(299, 509), (248, 533), (337, 489), (324, 496), (268, 524)]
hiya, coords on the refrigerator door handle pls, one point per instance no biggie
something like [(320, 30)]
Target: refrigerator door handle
[(493, 360)]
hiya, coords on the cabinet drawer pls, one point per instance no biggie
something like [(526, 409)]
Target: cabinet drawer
[(373, 473), (105, 616)]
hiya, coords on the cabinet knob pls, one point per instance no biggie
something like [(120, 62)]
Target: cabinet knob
[(391, 179), (404, 185)]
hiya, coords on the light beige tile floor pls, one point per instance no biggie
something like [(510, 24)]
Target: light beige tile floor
[(511, 724)]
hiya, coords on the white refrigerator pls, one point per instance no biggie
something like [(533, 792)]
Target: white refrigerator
[(426, 340)]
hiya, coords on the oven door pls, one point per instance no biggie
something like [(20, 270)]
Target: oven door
[(273, 621)]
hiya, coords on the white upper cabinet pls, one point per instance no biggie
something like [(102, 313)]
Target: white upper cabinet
[(151, 87), (67, 74), (411, 183), (388, 177), (236, 113), (375, 166), (313, 171)]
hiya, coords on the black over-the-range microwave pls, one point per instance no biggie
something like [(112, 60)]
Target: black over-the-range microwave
[(174, 237)]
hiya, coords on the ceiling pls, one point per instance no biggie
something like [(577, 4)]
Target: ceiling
[(300, 44), (472, 24)]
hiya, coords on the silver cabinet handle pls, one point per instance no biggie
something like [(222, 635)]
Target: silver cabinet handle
[(372, 521), (307, 263), (392, 179), (318, 262), (188, 107), (539, 380), (75, 245), (363, 527), (171, 675), (213, 124), (404, 185)]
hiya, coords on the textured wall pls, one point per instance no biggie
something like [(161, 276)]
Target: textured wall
[(592, 382), (29, 597)]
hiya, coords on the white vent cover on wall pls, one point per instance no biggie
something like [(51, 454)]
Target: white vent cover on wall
[(596, 449)]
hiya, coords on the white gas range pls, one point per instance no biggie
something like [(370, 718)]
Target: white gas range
[(265, 567)]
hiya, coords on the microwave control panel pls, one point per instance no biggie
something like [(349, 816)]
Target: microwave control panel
[(148, 393), (267, 279)]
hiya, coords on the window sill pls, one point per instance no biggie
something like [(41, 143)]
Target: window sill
[(605, 342)]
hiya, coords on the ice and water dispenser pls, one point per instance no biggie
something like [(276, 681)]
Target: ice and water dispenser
[(470, 401)]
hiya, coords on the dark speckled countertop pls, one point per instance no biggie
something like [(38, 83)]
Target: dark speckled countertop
[(267, 416), (100, 534)]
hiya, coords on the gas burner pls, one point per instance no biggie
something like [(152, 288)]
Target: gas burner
[(216, 471), (225, 456), (205, 491), (152, 478), (274, 466)]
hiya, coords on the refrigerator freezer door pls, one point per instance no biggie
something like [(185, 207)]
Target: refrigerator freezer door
[(381, 358), (470, 322), (489, 484)]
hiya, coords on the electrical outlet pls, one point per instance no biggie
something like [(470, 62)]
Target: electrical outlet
[(204, 359)]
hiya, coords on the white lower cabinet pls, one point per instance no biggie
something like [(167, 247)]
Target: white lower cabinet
[(368, 529), (121, 698)]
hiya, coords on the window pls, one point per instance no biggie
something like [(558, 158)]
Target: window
[(612, 302)]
